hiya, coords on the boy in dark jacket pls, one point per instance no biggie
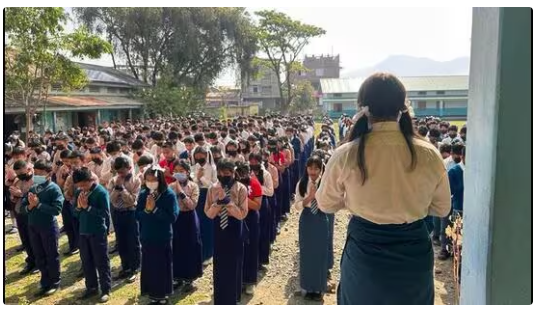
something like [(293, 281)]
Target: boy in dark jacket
[(92, 211), (42, 204)]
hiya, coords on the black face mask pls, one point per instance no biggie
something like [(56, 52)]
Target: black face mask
[(97, 161), (223, 135), (452, 135), (457, 160), (255, 168), (60, 147), (232, 153), (225, 181), (24, 177), (126, 152), (201, 161)]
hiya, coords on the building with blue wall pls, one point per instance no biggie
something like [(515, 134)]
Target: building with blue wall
[(442, 96)]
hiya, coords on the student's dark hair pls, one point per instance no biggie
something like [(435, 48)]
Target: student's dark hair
[(137, 145), (167, 144), (457, 149), (189, 139), (464, 152), (20, 164), (42, 164), (18, 151), (314, 160), (385, 96), (423, 130), (95, 150), (112, 147), (463, 130), (144, 160), (232, 143), (159, 174), (435, 133), (445, 148), (452, 128), (157, 135), (81, 175), (173, 135), (121, 162), (76, 154), (90, 141), (185, 165), (225, 164), (216, 149), (213, 135), (255, 156), (65, 154), (199, 137)]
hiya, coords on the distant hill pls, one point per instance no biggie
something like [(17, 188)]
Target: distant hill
[(402, 65)]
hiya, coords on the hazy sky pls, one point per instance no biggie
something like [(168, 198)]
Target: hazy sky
[(365, 36)]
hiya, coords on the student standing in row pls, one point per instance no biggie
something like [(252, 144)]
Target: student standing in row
[(227, 206), (313, 232), (42, 204), (187, 255), (92, 211), (123, 190), (157, 210)]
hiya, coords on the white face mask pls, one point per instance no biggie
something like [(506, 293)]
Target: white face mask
[(152, 185)]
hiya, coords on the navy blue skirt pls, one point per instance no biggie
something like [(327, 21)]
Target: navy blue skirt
[(187, 252), (206, 226), (273, 210), (313, 250), (331, 223), (265, 232), (251, 259), (157, 270), (386, 265)]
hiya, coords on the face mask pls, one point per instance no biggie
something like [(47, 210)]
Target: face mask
[(152, 185), (60, 147), (98, 161), (24, 177), (225, 181), (126, 152), (457, 160), (255, 167), (181, 177), (201, 161), (223, 135), (453, 135), (39, 179)]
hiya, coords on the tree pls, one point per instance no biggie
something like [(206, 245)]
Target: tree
[(35, 55), (303, 96), (195, 43), (282, 39)]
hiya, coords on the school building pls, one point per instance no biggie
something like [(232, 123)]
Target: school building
[(107, 97), (442, 96)]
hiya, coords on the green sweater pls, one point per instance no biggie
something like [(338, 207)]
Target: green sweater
[(94, 219), (50, 205)]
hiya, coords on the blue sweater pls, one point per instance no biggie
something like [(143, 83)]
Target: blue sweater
[(50, 204), (157, 227), (455, 175), (94, 220)]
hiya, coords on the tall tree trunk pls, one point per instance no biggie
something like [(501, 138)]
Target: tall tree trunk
[(28, 112)]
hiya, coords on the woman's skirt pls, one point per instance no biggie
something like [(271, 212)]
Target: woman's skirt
[(206, 226), (187, 249), (313, 250), (273, 210), (386, 264), (251, 259), (157, 270), (265, 232), (331, 222)]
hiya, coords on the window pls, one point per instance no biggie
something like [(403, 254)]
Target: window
[(422, 93), (337, 95), (111, 90), (93, 89), (319, 72), (337, 107), (441, 92), (422, 105), (255, 89)]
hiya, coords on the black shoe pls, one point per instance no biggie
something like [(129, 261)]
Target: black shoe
[(188, 287), (19, 249), (12, 230), (104, 298), (158, 302), (28, 269), (71, 252), (131, 277), (113, 249), (444, 255), (317, 297), (89, 294), (43, 292)]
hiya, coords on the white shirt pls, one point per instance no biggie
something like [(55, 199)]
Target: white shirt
[(209, 175), (449, 163), (267, 186)]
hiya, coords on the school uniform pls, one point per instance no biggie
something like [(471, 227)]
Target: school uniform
[(206, 225), (273, 204), (93, 230), (156, 241), (43, 231), (21, 218), (313, 244), (251, 260), (296, 168), (388, 256), (229, 234), (187, 246), (123, 213), (168, 164), (456, 177), (265, 179)]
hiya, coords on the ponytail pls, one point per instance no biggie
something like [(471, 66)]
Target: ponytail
[(407, 129), (360, 129)]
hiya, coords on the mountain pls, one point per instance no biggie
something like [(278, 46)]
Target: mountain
[(402, 65)]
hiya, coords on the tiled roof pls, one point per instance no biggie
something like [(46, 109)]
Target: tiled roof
[(100, 74)]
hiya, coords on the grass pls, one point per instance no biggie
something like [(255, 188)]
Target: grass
[(20, 290)]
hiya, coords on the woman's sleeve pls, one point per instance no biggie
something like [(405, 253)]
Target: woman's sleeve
[(330, 194), (442, 203)]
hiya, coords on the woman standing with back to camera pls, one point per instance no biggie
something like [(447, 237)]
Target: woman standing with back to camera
[(390, 179)]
